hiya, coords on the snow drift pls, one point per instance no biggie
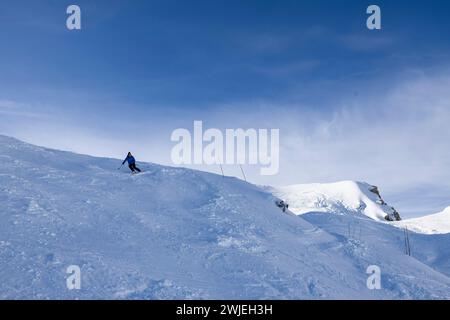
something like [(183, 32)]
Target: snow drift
[(438, 223), (175, 233), (341, 197)]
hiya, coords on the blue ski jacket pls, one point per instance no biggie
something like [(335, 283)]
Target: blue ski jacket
[(130, 160)]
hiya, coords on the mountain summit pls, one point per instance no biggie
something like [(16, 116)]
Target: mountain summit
[(340, 197)]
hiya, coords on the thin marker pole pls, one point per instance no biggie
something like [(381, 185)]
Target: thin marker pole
[(242, 170)]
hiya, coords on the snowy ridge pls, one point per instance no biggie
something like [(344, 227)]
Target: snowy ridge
[(438, 223), (340, 197), (173, 233)]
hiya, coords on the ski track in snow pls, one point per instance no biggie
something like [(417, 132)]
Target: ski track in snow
[(174, 233)]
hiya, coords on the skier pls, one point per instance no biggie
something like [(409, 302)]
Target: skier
[(282, 205), (131, 163)]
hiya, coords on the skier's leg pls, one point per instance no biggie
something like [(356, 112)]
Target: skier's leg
[(138, 170), (131, 166)]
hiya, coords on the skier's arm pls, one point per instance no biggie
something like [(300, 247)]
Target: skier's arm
[(124, 160)]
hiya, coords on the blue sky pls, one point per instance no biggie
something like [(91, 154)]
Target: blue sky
[(350, 103)]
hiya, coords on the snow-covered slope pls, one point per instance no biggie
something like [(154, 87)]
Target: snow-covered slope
[(438, 223), (176, 233), (340, 197)]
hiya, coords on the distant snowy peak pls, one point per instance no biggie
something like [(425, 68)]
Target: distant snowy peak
[(438, 223), (340, 197)]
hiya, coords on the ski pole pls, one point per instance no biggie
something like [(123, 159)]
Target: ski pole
[(120, 167)]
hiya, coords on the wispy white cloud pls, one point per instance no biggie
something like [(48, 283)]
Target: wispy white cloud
[(366, 42), (9, 104), (17, 109), (276, 42), (288, 69), (397, 139)]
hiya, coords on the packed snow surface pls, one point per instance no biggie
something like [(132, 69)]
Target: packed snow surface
[(173, 233)]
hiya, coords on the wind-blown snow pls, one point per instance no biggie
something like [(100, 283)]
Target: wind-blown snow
[(340, 197), (437, 223), (175, 233)]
